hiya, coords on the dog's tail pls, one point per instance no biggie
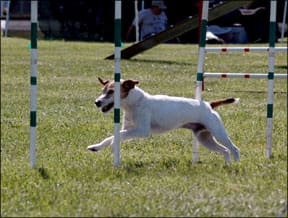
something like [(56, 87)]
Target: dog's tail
[(217, 103)]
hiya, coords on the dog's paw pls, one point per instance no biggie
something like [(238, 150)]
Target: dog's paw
[(236, 153), (93, 148)]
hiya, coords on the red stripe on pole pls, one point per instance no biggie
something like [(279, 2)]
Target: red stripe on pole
[(247, 76), (224, 49), (224, 75), (246, 49)]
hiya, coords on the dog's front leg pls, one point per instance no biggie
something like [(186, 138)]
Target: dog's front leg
[(138, 128), (142, 131), (124, 135), (103, 144), (134, 133)]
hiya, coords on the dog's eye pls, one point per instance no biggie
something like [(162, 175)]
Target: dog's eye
[(110, 92)]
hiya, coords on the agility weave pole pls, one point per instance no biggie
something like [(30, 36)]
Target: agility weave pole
[(136, 21), (271, 66), (200, 68), (117, 77), (283, 21), (270, 75), (33, 81)]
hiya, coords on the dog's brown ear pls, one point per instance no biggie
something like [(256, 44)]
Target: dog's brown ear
[(129, 84), (103, 82)]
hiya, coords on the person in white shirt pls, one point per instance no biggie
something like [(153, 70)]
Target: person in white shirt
[(151, 21)]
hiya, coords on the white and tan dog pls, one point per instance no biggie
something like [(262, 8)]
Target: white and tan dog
[(145, 114)]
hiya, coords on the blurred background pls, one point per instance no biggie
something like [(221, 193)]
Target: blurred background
[(93, 20)]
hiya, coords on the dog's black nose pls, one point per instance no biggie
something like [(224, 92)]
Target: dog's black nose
[(98, 103)]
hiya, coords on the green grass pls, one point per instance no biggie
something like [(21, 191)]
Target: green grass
[(156, 176)]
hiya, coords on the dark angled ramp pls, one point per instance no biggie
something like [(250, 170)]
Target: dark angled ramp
[(179, 29)]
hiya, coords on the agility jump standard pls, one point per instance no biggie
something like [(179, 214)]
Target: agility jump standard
[(271, 52), (117, 77), (248, 49), (241, 75), (33, 81)]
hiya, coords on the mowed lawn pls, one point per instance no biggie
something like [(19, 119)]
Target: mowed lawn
[(156, 176)]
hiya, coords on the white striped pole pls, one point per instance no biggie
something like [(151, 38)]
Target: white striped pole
[(33, 81), (272, 37), (242, 75), (243, 49), (200, 68), (284, 21), (117, 77), (136, 21)]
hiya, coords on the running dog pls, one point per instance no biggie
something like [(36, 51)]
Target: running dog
[(145, 114)]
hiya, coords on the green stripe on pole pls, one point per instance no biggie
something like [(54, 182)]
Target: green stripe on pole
[(117, 77), (116, 115), (33, 80), (33, 35), (117, 32), (272, 35), (33, 118), (270, 75), (199, 76), (269, 110), (203, 33)]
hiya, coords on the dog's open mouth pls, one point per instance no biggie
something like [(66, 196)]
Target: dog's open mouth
[(107, 108)]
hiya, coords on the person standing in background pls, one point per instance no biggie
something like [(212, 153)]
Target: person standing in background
[(151, 21)]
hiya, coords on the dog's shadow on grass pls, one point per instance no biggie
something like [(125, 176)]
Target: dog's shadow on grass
[(172, 165), (43, 173)]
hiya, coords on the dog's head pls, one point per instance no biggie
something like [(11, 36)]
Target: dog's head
[(106, 100)]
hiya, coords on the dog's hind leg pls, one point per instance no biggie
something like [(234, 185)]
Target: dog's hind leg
[(217, 129), (206, 139), (226, 141)]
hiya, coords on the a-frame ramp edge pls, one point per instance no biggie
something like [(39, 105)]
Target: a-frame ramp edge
[(178, 29)]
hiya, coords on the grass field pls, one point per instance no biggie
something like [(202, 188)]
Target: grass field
[(156, 176)]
